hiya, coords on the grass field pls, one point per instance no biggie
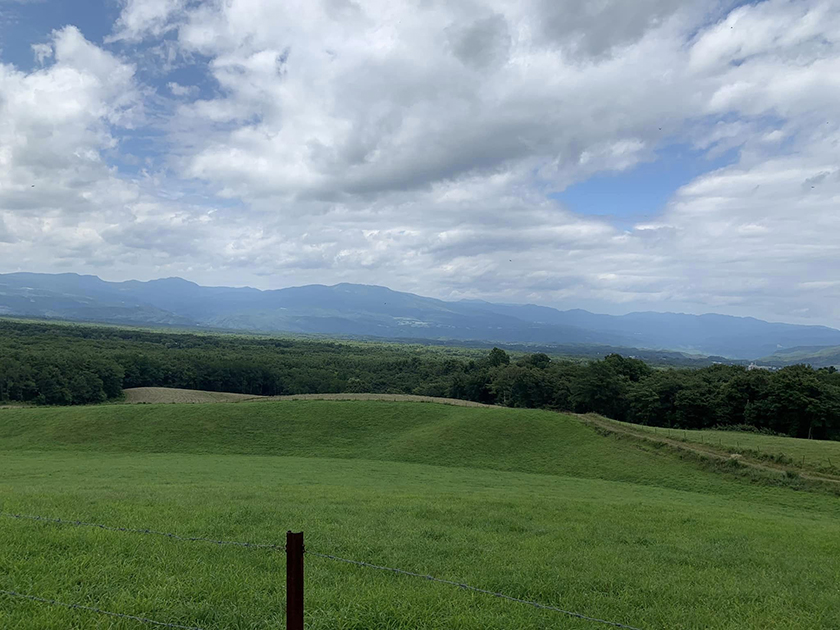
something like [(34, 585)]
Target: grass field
[(530, 503), (820, 455)]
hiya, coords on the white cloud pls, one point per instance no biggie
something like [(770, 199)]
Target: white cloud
[(42, 52), (54, 122), (415, 145), (182, 90), (58, 195), (381, 105), (144, 18)]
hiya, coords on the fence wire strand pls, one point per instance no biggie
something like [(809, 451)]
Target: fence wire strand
[(53, 602), (142, 531), (429, 578), (474, 589)]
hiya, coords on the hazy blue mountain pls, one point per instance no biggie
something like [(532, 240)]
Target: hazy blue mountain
[(74, 297), (742, 337), (372, 311)]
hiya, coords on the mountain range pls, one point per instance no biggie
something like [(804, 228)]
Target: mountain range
[(374, 311)]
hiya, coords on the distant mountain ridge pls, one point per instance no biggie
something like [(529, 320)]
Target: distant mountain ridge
[(374, 311)]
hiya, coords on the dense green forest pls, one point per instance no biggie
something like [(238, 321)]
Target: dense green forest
[(68, 364)]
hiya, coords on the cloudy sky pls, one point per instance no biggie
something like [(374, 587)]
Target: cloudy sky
[(678, 155)]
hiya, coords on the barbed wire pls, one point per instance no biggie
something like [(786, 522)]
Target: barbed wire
[(143, 531), (430, 578), (474, 589), (53, 602)]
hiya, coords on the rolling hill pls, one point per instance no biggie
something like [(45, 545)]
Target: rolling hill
[(532, 504), (818, 357), (372, 311)]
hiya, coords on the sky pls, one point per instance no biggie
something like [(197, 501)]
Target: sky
[(667, 155)]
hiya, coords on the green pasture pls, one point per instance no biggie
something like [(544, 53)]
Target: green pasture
[(821, 455), (529, 503)]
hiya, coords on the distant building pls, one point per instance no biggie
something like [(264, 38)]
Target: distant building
[(753, 366)]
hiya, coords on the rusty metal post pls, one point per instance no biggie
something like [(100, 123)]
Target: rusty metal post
[(294, 581)]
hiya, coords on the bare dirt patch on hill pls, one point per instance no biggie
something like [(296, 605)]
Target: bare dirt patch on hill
[(138, 395)]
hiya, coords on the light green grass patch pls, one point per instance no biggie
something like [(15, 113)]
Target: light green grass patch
[(528, 503), (816, 454)]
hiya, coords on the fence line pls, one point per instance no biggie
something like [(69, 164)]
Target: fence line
[(429, 578), (53, 602)]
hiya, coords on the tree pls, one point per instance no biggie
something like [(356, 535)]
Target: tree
[(538, 360), (793, 401), (694, 407), (518, 386), (52, 387), (600, 389), (643, 405), (741, 392), (498, 357), (86, 388), (633, 369), (474, 385)]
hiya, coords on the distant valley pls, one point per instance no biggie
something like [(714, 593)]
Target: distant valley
[(374, 311)]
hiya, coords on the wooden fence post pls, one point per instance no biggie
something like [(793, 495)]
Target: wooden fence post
[(294, 581)]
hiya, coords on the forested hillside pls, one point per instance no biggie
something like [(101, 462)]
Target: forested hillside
[(61, 365)]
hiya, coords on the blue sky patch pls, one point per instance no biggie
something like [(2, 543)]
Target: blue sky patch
[(640, 193)]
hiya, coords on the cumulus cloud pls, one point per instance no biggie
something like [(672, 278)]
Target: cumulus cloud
[(382, 105), (55, 121), (419, 145), (60, 199)]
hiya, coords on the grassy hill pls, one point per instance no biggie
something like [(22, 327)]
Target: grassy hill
[(820, 356), (530, 503), (811, 455)]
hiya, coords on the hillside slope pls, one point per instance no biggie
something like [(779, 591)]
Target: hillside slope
[(817, 357), (514, 440), (532, 504)]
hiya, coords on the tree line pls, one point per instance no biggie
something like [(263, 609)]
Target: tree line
[(796, 401), (53, 364)]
